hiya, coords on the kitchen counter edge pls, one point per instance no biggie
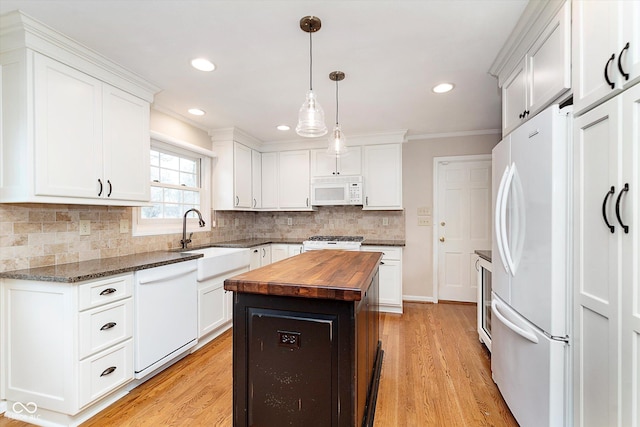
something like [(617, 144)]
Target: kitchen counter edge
[(98, 268), (250, 243)]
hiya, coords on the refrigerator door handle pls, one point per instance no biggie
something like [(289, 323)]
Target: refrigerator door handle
[(515, 328), (503, 222), (498, 219)]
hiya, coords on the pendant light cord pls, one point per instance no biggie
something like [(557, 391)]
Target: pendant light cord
[(336, 102), (310, 61)]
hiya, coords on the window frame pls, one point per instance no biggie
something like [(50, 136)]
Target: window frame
[(162, 226)]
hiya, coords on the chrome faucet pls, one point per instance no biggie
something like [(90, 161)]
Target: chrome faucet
[(184, 242)]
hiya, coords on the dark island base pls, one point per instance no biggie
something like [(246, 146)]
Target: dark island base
[(305, 362), (372, 398)]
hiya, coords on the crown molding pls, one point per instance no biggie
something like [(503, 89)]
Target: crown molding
[(454, 134), (20, 31)]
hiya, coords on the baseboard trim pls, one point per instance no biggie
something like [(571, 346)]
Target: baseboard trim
[(415, 298)]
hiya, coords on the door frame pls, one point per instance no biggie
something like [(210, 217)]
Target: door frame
[(437, 162)]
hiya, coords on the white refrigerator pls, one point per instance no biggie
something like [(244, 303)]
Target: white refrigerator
[(530, 300)]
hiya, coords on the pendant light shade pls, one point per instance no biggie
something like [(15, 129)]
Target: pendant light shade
[(337, 140), (311, 115)]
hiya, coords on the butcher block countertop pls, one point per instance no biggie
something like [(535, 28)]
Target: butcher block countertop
[(327, 274)]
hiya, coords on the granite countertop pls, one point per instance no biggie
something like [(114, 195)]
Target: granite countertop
[(249, 243), (97, 268), (484, 254), (335, 275)]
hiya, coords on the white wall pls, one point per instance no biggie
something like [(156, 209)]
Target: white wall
[(170, 126), (417, 180)]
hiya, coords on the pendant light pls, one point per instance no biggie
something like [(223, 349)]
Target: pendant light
[(337, 140), (311, 116)]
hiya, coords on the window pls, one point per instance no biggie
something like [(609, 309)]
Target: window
[(180, 180), (175, 184)]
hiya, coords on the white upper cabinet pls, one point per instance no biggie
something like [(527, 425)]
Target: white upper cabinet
[(324, 164), (606, 50), (293, 180), (256, 179), (243, 181), (541, 76), (269, 180), (382, 177), (69, 133), (237, 177)]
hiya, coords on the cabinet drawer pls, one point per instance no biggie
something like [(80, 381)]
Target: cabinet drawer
[(99, 292), (105, 371), (105, 326), (389, 252)]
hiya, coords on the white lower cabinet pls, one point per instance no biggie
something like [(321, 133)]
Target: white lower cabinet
[(66, 346), (390, 279), (214, 306), (259, 256), (280, 251)]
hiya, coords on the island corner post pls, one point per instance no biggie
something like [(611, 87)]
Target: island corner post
[(306, 347)]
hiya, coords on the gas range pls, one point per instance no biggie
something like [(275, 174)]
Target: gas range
[(345, 243)]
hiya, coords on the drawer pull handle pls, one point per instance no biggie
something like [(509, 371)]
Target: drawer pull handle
[(606, 75), (381, 262), (108, 326), (626, 75), (107, 291), (108, 371)]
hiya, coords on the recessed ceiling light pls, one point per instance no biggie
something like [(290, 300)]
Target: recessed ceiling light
[(203, 64), (283, 127), (443, 87), (196, 111)]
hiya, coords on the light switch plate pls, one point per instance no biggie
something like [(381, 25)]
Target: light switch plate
[(424, 211), (424, 221), (385, 221)]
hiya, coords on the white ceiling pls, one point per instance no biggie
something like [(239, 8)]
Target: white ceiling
[(392, 52)]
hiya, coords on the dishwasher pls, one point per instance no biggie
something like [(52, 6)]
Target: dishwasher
[(166, 315)]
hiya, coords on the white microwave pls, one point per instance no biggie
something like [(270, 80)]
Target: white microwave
[(338, 190)]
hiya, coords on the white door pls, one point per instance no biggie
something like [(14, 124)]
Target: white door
[(464, 224)]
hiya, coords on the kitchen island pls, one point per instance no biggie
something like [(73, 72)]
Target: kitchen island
[(306, 347)]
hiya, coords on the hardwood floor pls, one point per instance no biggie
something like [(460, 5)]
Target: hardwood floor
[(435, 373)]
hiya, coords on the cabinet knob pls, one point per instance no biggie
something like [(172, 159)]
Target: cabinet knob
[(442, 223)]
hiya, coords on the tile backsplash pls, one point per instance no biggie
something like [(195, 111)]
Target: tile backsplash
[(34, 235)]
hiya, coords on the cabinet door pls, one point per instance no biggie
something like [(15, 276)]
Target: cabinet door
[(126, 146), (597, 42), (514, 98), (630, 214), (211, 307), (323, 164), (68, 131), (265, 255), (242, 176), (255, 258), (549, 62), (383, 176), (294, 179), (351, 163), (256, 179), (279, 252), (390, 285), (630, 61), (597, 151), (269, 180)]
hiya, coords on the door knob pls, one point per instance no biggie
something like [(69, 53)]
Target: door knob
[(442, 239), (442, 223)]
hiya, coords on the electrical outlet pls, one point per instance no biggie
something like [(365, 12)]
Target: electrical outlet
[(289, 221), (124, 226), (424, 221), (85, 227), (385, 221), (424, 211)]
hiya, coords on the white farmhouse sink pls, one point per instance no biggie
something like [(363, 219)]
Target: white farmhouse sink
[(217, 261)]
